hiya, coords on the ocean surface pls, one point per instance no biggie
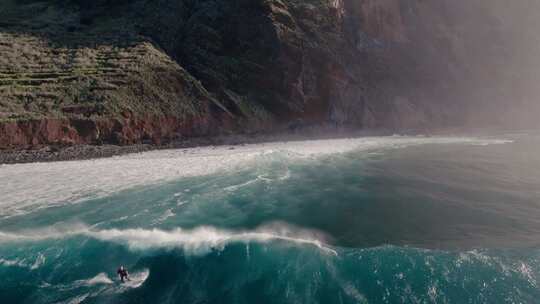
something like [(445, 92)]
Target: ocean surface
[(370, 220)]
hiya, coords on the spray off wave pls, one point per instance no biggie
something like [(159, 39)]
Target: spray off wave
[(198, 241)]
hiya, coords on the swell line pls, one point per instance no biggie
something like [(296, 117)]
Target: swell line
[(200, 240)]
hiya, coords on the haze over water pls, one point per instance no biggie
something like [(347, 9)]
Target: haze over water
[(372, 220)]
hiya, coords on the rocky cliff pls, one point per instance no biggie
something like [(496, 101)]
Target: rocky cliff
[(118, 71)]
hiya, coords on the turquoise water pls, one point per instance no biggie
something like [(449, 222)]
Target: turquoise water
[(392, 220)]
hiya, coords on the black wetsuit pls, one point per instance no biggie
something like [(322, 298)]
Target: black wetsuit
[(122, 273)]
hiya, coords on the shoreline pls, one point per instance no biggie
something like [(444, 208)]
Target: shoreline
[(88, 152)]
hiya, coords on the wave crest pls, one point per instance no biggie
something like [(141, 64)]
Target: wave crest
[(200, 240)]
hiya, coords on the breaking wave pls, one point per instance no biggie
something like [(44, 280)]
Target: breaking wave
[(196, 241)]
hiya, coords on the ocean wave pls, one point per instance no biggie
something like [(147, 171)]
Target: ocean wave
[(196, 241), (27, 188)]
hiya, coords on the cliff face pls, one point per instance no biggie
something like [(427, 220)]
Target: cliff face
[(129, 71), (442, 63)]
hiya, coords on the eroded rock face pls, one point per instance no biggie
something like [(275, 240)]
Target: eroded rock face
[(454, 62), (33, 134), (342, 61)]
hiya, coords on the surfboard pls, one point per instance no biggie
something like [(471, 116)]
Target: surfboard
[(136, 279)]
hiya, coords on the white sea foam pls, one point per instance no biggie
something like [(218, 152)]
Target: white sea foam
[(100, 279), (167, 214), (40, 260), (28, 187), (195, 241), (106, 285), (12, 263), (78, 299), (242, 185), (24, 263)]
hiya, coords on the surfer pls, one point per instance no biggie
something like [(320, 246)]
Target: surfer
[(123, 274)]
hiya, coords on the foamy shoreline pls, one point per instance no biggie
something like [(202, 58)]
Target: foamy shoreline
[(28, 187), (85, 152)]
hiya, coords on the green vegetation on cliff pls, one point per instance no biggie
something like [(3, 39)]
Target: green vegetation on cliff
[(57, 62)]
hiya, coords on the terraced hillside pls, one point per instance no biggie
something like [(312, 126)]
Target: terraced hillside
[(38, 78), (60, 85)]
